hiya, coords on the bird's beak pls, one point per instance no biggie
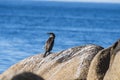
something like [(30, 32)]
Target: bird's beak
[(48, 33)]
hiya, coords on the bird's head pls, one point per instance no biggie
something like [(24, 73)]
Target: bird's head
[(51, 34)]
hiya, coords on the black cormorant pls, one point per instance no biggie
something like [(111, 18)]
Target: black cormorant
[(49, 44)]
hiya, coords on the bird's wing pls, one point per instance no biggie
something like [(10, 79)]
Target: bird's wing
[(49, 44)]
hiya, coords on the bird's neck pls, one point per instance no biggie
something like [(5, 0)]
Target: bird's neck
[(51, 36)]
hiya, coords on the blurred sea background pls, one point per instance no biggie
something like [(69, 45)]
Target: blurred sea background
[(23, 27)]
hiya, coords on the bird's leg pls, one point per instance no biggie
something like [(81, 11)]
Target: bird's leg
[(45, 54)]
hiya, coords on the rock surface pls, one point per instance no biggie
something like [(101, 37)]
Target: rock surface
[(106, 64), (71, 64), (99, 65), (113, 73)]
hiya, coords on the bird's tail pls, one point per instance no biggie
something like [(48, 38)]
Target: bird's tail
[(45, 54)]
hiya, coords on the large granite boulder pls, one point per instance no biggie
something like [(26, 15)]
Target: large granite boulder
[(70, 64), (113, 73), (106, 64)]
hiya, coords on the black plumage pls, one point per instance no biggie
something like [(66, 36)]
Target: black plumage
[(49, 44)]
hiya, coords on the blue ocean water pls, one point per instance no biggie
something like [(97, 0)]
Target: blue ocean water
[(23, 28)]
